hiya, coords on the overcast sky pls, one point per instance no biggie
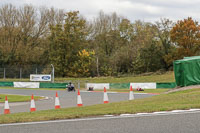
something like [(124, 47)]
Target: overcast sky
[(146, 10)]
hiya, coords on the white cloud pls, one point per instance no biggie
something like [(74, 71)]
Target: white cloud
[(147, 10)]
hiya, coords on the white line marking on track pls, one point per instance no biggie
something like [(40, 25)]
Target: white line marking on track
[(194, 109), (117, 92), (106, 118), (160, 112), (126, 114), (178, 111), (108, 115)]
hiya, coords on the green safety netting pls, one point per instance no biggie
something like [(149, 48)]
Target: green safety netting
[(53, 85), (166, 85), (119, 85), (8, 84), (112, 85)]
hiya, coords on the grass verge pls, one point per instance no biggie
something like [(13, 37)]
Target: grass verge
[(17, 98), (166, 77), (177, 100), (145, 90), (109, 90), (32, 88)]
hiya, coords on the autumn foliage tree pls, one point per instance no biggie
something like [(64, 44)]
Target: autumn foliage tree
[(186, 36), (108, 45), (84, 63)]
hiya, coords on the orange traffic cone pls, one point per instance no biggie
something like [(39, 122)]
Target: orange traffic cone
[(79, 100), (32, 104), (105, 96), (6, 106), (131, 96), (57, 102)]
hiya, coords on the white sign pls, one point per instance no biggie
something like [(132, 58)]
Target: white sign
[(143, 85), (40, 77), (27, 84), (98, 85)]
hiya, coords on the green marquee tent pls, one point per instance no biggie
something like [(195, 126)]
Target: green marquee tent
[(187, 71)]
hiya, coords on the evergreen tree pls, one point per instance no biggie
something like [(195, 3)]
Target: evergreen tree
[(65, 43)]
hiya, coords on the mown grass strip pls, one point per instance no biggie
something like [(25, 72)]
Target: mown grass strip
[(135, 91), (33, 88), (166, 77), (109, 90), (17, 98), (178, 100)]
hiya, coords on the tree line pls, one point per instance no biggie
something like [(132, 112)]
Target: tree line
[(108, 45)]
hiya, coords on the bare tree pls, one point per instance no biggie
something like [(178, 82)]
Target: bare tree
[(8, 31), (23, 32)]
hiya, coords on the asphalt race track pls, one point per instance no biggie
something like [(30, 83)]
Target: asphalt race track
[(167, 122), (67, 99), (183, 122)]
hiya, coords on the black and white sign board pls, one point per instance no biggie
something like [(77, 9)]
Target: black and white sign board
[(40, 77)]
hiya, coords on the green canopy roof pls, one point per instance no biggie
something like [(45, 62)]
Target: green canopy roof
[(187, 71)]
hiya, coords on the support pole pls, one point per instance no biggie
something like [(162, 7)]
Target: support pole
[(4, 73), (20, 75), (52, 80)]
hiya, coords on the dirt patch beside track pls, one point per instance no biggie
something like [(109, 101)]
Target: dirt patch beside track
[(183, 88)]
